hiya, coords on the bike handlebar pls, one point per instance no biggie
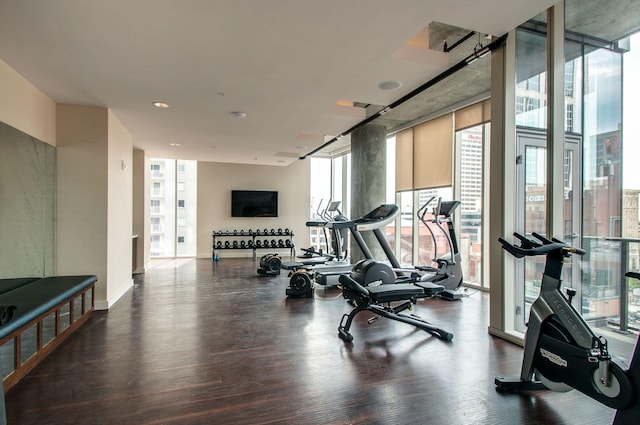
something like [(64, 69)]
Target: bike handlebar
[(529, 247)]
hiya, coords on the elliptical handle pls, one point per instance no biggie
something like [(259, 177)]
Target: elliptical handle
[(422, 211)]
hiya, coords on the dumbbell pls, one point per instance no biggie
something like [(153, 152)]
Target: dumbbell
[(227, 244), (219, 244), (279, 231), (258, 243), (287, 243), (235, 244), (243, 244), (249, 244), (280, 243)]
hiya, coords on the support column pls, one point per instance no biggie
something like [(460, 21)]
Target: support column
[(368, 180)]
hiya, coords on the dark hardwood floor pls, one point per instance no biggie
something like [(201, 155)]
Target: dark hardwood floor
[(194, 342)]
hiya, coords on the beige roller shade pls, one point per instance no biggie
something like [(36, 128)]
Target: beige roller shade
[(404, 160), (433, 153), (473, 115)]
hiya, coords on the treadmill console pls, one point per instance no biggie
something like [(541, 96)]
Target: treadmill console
[(378, 218)]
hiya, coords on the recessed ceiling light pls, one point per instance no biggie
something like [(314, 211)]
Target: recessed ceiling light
[(389, 85), (239, 114), (174, 144), (160, 104)]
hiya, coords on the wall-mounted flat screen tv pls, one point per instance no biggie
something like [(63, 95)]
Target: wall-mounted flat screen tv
[(254, 203)]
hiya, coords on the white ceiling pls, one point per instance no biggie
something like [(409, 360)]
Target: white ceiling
[(285, 63)]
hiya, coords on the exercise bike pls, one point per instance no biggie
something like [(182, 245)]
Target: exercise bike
[(561, 352)]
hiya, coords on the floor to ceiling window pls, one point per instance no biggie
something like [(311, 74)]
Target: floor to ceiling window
[(606, 56), (173, 207), (599, 192)]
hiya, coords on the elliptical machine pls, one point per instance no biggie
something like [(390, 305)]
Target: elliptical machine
[(561, 351), (448, 273)]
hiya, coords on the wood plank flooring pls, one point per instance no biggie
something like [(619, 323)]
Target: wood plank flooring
[(196, 342)]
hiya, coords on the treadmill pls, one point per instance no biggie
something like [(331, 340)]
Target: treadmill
[(374, 221)]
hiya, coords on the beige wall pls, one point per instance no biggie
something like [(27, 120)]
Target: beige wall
[(25, 107), (94, 199), (215, 182), (81, 237)]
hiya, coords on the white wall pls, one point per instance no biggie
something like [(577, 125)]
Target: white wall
[(120, 209), (141, 209), (215, 182)]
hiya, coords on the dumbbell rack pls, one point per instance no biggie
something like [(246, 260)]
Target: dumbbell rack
[(253, 240)]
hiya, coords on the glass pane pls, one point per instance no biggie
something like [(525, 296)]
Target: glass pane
[(87, 299), (7, 358), (573, 88), (65, 316), (187, 195), (471, 181), (320, 192), (163, 207), (391, 170), (77, 308), (602, 153), (29, 343), (531, 122), (531, 80), (535, 217), (406, 228), (48, 328), (336, 191)]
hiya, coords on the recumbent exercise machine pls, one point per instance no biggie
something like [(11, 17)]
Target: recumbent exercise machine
[(561, 352), (379, 296)]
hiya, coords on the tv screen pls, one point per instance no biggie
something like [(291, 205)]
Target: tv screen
[(254, 203)]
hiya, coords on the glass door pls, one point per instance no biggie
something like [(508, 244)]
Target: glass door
[(531, 213)]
